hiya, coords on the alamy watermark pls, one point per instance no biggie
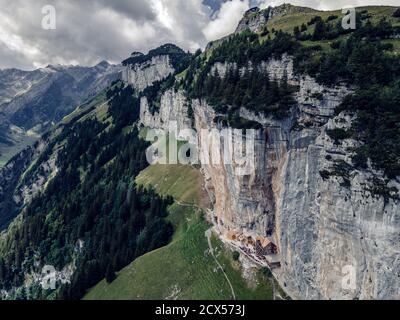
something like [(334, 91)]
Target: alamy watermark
[(349, 20), (50, 277), (232, 147), (349, 280), (49, 20)]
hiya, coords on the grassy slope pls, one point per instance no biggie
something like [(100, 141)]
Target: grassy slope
[(288, 22), (181, 182), (298, 16), (184, 269)]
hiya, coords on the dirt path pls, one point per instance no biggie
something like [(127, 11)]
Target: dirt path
[(273, 288), (187, 205), (208, 235)]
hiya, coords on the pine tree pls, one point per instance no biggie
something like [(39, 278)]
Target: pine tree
[(296, 32), (110, 274), (319, 31)]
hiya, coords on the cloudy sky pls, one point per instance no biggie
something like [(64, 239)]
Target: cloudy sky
[(88, 31)]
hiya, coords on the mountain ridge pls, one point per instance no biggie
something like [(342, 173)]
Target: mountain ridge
[(34, 100)]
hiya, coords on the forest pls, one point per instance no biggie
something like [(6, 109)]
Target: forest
[(245, 84), (93, 199), (358, 58)]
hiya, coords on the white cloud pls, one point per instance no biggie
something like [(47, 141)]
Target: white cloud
[(184, 20), (226, 19), (93, 30), (162, 13)]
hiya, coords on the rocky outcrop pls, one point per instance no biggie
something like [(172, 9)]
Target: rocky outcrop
[(255, 19), (45, 276), (27, 191), (333, 240), (20, 181), (142, 75), (9, 179), (173, 109), (276, 69)]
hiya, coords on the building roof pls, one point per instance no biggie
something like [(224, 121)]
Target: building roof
[(265, 242)]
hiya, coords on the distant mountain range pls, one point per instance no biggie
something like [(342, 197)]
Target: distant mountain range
[(31, 101)]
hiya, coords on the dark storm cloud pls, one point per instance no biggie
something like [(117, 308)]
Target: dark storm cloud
[(137, 9)]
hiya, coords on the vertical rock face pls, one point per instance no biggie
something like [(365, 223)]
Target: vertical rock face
[(253, 19), (173, 109), (256, 19), (328, 232), (242, 202), (333, 241), (142, 75)]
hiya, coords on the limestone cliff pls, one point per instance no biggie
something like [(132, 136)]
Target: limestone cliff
[(255, 19), (144, 74), (320, 227), (144, 70), (173, 108)]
